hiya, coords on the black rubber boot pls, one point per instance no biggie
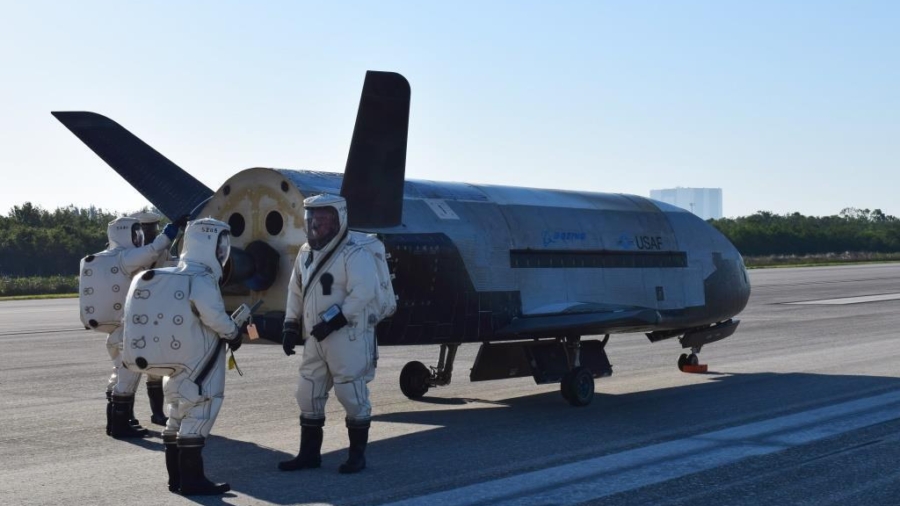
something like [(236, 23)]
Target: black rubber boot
[(358, 430), (120, 426), (172, 463), (310, 455), (109, 410), (193, 479), (131, 419), (155, 394)]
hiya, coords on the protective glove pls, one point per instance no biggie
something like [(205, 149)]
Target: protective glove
[(332, 320), (170, 231), (290, 334), (234, 344)]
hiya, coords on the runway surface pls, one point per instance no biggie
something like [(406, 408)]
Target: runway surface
[(800, 406)]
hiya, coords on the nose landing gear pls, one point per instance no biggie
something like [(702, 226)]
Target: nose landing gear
[(691, 363)]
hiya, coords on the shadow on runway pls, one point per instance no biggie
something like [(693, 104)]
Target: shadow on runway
[(466, 440)]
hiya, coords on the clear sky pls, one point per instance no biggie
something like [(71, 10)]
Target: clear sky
[(785, 105)]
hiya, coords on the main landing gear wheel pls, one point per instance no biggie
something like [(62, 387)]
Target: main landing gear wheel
[(414, 380), (685, 359), (577, 386)]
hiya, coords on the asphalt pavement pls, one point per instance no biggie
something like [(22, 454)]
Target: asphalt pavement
[(800, 406)]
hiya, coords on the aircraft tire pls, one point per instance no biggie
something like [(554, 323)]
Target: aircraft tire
[(682, 361), (414, 380), (577, 386), (563, 389)]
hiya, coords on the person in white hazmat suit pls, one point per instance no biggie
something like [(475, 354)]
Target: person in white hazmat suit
[(103, 279), (150, 226), (176, 325), (331, 288)]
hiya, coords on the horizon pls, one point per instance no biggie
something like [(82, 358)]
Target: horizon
[(150, 207)]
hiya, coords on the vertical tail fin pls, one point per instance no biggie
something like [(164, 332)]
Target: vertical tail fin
[(168, 187), (376, 163)]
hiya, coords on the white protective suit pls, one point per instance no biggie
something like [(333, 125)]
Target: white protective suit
[(150, 225), (130, 259), (195, 389), (346, 358)]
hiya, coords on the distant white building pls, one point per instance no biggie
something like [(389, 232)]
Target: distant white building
[(704, 202)]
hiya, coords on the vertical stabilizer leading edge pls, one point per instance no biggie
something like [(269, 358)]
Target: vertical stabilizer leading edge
[(376, 163), (168, 187)]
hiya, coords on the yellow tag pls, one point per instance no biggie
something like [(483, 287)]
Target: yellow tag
[(252, 333), (231, 363)]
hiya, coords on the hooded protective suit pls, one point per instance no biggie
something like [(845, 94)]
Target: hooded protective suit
[(337, 274), (330, 295), (195, 363), (175, 325), (103, 289), (150, 226)]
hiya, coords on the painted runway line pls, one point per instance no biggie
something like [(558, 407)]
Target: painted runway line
[(611, 474), (847, 300)]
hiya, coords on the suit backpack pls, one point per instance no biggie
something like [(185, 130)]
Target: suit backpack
[(385, 303)]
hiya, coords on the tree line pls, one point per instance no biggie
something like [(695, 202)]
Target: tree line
[(38, 242), (853, 230)]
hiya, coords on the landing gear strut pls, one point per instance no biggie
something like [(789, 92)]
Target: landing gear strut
[(577, 385), (416, 378)]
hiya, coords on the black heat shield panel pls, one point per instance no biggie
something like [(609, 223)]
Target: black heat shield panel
[(436, 300), (545, 361), (168, 187), (588, 323), (376, 163)]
